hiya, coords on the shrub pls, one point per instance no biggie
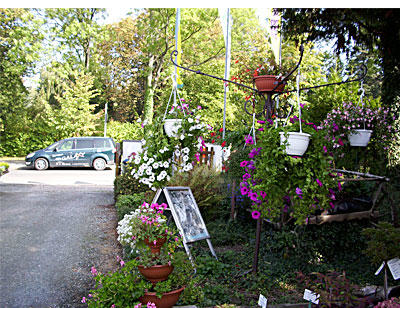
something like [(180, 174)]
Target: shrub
[(127, 203), (205, 184), (124, 131), (126, 184)]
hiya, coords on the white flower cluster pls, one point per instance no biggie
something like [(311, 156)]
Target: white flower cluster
[(185, 164), (151, 170), (127, 229)]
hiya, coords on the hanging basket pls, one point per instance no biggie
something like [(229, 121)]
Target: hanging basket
[(170, 125), (359, 137), (267, 83), (297, 142)]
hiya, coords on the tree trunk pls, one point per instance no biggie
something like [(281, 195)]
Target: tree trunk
[(149, 94)]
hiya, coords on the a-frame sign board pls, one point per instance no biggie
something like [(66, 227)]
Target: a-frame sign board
[(186, 214)]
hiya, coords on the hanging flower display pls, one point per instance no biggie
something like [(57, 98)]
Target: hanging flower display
[(279, 183), (162, 155)]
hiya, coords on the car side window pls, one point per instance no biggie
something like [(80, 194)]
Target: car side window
[(102, 143), (67, 145), (84, 143)]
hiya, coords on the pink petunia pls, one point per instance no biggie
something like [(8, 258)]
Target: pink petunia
[(319, 182), (256, 214), (122, 263)]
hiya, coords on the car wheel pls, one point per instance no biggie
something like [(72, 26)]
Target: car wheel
[(99, 164), (41, 164)]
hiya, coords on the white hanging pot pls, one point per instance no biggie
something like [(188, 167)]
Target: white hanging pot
[(297, 142), (171, 126), (359, 137)]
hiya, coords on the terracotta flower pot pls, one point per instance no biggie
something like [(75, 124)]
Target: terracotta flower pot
[(155, 247), (156, 273), (267, 83), (168, 299)]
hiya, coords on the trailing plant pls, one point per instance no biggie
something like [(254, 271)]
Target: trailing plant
[(291, 185), (161, 154)]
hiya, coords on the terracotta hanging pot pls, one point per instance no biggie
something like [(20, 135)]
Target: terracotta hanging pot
[(168, 299), (155, 247), (156, 273), (266, 83)]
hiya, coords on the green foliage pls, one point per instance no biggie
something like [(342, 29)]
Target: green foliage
[(126, 184), (205, 184), (124, 131), (128, 203), (121, 288), (383, 243)]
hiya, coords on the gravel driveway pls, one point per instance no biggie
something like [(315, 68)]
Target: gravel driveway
[(50, 236)]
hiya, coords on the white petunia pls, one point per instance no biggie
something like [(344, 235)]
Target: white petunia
[(148, 172), (182, 137), (177, 153), (145, 158), (133, 171), (185, 150), (165, 164), (155, 165), (185, 158), (152, 178), (190, 120), (151, 160)]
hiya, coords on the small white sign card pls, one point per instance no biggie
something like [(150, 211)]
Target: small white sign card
[(311, 296), (394, 267), (262, 301)]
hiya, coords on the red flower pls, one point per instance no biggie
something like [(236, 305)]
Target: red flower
[(236, 61), (221, 129), (247, 70), (213, 141), (212, 134), (223, 144)]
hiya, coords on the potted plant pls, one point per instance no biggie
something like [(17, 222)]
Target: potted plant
[(162, 155), (357, 123), (126, 287), (146, 227), (266, 82), (283, 185)]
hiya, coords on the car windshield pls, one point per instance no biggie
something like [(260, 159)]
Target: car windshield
[(51, 147)]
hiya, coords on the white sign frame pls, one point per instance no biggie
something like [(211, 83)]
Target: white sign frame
[(177, 210)]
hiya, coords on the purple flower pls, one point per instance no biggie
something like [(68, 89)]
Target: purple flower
[(253, 196), (325, 149), (244, 163), (244, 190), (340, 142), (319, 182), (339, 186), (122, 263), (299, 192), (94, 271), (261, 122), (256, 214), (263, 194), (246, 176), (83, 300), (249, 140), (331, 205)]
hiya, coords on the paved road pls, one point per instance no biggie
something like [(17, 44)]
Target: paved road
[(50, 236)]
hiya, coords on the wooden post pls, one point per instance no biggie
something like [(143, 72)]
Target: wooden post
[(257, 248), (118, 160)]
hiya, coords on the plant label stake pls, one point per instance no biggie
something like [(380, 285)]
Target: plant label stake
[(262, 301), (311, 297)]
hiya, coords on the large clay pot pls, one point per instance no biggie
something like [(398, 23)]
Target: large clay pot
[(267, 83), (156, 273), (168, 299)]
